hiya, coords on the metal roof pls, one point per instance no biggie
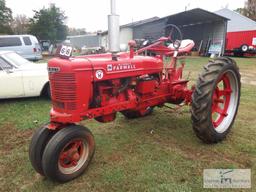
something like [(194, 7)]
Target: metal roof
[(141, 22), (237, 21), (85, 35), (192, 17), (134, 24), (186, 18)]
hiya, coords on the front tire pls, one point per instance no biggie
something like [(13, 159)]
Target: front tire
[(48, 94), (68, 153), (215, 100), (37, 145)]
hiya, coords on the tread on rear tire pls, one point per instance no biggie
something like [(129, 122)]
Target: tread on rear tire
[(205, 101)]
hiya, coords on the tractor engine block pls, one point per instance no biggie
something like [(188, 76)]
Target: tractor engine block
[(117, 90)]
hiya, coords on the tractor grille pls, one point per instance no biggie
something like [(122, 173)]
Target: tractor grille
[(63, 90)]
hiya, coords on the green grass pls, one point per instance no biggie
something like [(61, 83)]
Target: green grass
[(156, 153)]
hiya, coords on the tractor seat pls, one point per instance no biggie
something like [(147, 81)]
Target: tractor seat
[(185, 46)]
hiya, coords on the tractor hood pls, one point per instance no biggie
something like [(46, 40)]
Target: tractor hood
[(104, 68)]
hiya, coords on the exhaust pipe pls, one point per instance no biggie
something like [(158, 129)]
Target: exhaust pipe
[(113, 30)]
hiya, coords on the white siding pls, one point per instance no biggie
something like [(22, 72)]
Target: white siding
[(79, 41), (104, 41), (126, 34), (237, 22)]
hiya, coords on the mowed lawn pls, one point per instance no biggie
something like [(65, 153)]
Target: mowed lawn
[(156, 153)]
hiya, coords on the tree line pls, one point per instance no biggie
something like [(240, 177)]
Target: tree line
[(46, 24)]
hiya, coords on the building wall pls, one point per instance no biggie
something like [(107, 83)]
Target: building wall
[(207, 31), (237, 22), (152, 30), (84, 40), (204, 32), (126, 34), (104, 41)]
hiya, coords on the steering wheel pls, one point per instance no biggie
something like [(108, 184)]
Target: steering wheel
[(174, 34)]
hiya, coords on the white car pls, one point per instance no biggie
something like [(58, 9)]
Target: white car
[(22, 78)]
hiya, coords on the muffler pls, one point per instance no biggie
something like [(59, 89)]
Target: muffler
[(113, 30)]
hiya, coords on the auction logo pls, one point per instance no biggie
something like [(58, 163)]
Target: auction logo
[(227, 178)]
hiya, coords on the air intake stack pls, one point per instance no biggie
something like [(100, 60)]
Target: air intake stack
[(113, 30)]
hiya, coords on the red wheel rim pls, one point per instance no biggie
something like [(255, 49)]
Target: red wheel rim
[(221, 100), (73, 156)]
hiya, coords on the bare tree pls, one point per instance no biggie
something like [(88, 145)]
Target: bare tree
[(20, 24), (76, 31), (249, 9), (250, 6)]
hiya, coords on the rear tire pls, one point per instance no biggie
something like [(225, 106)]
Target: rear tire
[(37, 145), (214, 108), (68, 153)]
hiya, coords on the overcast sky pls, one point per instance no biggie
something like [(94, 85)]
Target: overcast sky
[(92, 14)]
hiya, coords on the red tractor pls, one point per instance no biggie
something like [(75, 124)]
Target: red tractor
[(100, 86)]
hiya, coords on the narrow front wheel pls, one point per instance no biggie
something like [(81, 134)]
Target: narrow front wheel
[(68, 153), (37, 145)]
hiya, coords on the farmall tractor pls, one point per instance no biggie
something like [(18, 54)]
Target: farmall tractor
[(132, 83)]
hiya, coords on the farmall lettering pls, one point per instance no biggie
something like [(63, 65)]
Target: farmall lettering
[(120, 67)]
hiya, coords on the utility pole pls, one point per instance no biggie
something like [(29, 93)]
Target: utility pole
[(187, 6)]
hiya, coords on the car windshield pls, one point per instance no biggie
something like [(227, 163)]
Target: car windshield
[(15, 59)]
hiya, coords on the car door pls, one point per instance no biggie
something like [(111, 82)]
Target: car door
[(28, 51), (34, 80), (11, 84)]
